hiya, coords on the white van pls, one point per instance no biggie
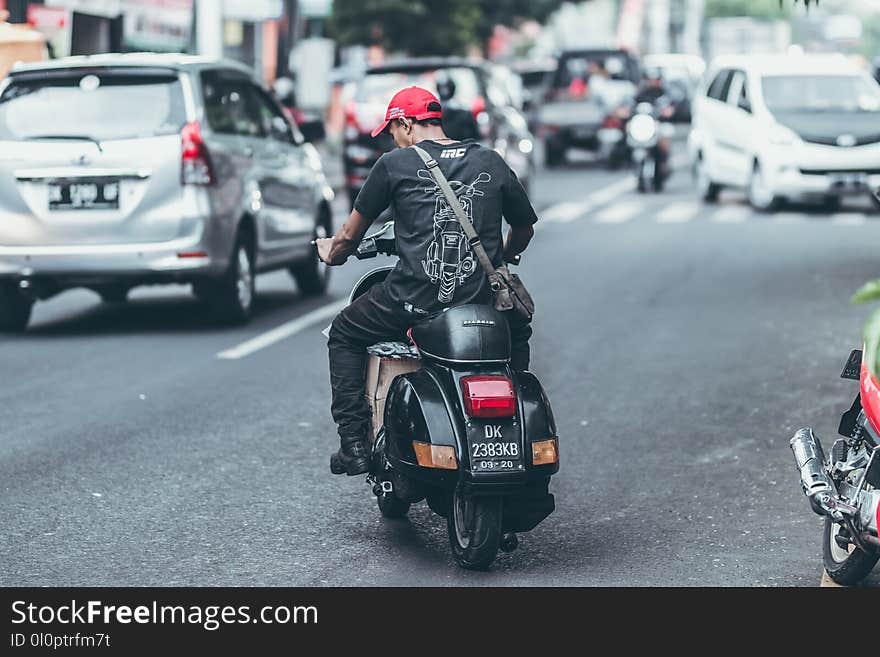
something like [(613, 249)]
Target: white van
[(803, 127)]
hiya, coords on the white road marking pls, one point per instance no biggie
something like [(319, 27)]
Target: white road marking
[(619, 213), (848, 219), (563, 211), (608, 194), (679, 212), (788, 218), (282, 332), (568, 211), (731, 214)]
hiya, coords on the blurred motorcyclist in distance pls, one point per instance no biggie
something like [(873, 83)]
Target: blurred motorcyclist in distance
[(653, 90), (458, 121)]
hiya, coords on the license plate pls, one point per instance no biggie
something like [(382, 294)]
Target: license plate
[(852, 180), (495, 448), (92, 195)]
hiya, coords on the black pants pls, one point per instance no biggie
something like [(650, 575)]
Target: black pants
[(370, 319)]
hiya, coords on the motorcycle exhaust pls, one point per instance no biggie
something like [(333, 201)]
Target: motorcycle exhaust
[(815, 481), (810, 459)]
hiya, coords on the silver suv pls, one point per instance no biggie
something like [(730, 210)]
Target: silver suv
[(123, 170)]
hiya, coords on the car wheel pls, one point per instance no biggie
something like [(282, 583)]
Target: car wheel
[(708, 190), (313, 275), (15, 308), (831, 204), (554, 155), (761, 197), (232, 297), (114, 293)]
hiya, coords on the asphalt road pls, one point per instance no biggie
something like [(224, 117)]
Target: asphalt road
[(681, 345)]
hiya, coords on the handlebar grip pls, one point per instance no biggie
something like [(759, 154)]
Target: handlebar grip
[(366, 249)]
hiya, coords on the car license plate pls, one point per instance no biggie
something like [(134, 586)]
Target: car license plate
[(92, 195), (495, 448), (851, 180)]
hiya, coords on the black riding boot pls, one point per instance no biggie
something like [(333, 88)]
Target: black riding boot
[(353, 457)]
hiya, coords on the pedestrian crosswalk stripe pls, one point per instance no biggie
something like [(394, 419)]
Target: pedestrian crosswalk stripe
[(731, 214), (788, 218), (614, 205), (568, 211), (563, 211), (608, 194), (620, 212), (679, 212), (847, 219)]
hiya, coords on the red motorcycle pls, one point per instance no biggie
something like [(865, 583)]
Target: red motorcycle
[(845, 487)]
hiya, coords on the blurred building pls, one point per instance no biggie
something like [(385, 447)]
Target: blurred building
[(259, 33)]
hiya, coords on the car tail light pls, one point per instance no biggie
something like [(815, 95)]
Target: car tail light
[(488, 396), (351, 115), (195, 161), (478, 106), (612, 122)]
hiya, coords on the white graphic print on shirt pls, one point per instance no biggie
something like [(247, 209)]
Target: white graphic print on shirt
[(450, 259)]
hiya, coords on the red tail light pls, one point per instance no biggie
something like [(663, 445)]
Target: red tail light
[(478, 106), (488, 396), (195, 161), (612, 122), (577, 88), (351, 115)]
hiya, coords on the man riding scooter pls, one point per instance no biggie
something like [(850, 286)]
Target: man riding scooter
[(410, 293), (653, 91)]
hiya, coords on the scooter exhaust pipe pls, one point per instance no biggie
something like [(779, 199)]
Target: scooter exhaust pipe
[(810, 459)]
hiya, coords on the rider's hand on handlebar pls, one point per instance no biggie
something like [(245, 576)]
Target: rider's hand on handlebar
[(324, 244)]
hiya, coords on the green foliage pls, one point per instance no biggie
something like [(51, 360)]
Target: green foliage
[(763, 9), (507, 12), (422, 27), (870, 291), (871, 335), (416, 27)]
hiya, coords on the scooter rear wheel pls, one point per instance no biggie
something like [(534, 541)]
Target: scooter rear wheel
[(845, 567), (474, 526)]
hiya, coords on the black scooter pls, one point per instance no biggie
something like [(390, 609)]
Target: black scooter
[(463, 432)]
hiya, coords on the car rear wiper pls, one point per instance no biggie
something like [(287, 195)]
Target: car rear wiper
[(69, 137)]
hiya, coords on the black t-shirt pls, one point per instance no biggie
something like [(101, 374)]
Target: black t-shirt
[(437, 267)]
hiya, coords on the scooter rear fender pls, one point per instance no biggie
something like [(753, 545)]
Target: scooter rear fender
[(427, 406)]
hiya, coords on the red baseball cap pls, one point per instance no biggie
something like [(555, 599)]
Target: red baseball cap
[(413, 103)]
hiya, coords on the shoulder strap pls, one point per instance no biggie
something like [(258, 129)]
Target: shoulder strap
[(455, 204)]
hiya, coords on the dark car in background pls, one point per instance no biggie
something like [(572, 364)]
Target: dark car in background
[(477, 89), (583, 91)]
